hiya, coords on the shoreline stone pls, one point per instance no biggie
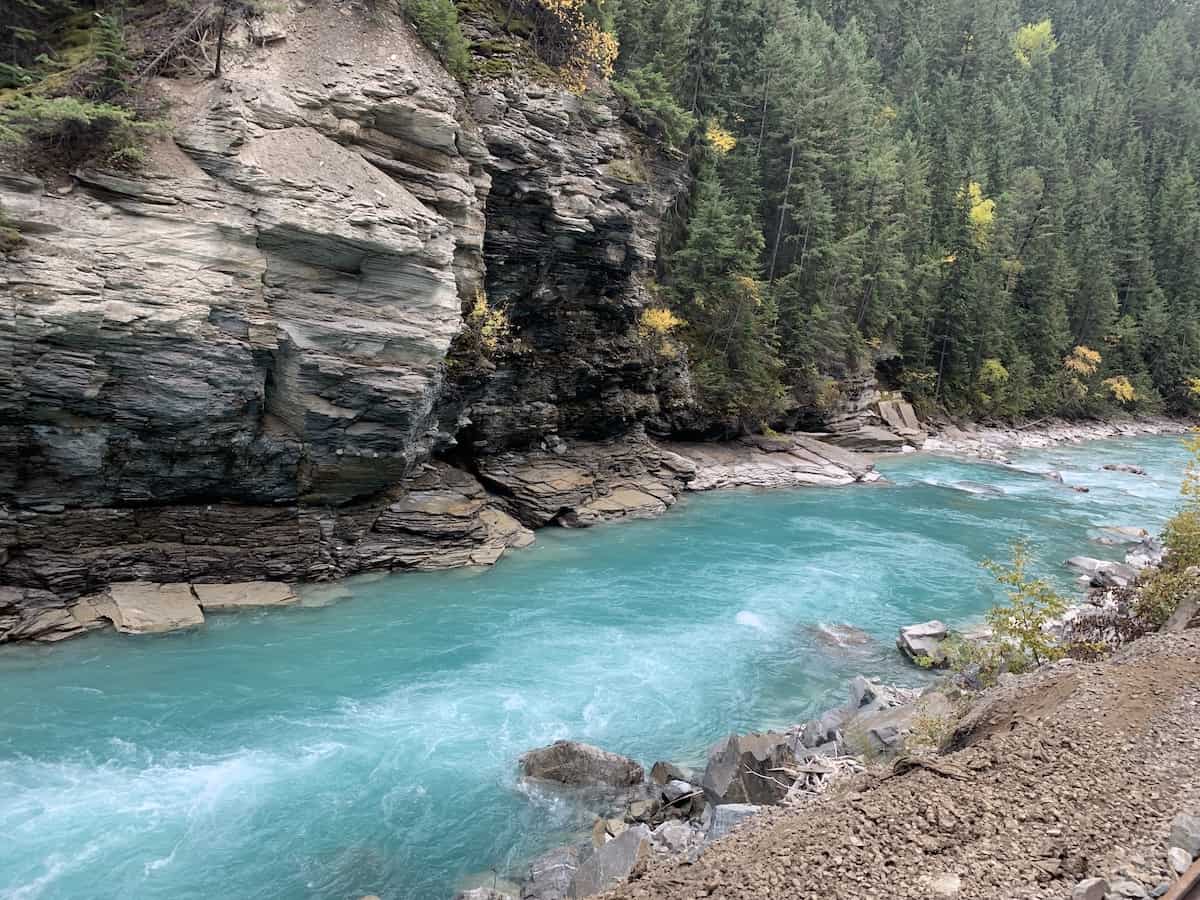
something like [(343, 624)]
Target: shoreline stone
[(924, 641), (221, 597), (141, 607)]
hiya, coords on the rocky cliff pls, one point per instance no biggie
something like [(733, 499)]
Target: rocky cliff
[(234, 364), (262, 356)]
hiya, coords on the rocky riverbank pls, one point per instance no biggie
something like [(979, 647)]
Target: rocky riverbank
[(677, 812), (658, 831), (1075, 780), (59, 562), (65, 578), (985, 798), (996, 443)]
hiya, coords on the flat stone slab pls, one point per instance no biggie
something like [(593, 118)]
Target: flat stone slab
[(246, 594), (143, 607)]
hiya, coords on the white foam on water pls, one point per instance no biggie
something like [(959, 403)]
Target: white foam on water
[(750, 620)]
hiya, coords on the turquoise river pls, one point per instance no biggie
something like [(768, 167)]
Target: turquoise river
[(368, 746)]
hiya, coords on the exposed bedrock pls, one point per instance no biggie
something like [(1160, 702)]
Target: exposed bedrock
[(241, 363), (233, 365)]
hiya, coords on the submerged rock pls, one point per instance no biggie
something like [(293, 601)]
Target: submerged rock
[(978, 488), (215, 597), (571, 762), (1127, 468), (838, 635)]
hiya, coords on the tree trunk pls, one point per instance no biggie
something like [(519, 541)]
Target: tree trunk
[(787, 186), (220, 38)]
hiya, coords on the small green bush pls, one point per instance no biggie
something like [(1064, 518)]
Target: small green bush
[(67, 131), (10, 236), (1032, 605), (436, 22), (631, 170)]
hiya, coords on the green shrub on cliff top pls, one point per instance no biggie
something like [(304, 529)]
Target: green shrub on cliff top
[(436, 21), (69, 130)]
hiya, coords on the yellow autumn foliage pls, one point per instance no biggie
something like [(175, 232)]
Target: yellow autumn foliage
[(719, 138), (981, 213), (488, 324), (1194, 387), (587, 50), (1121, 389), (751, 288), (1082, 361), (992, 374), (658, 321), (1034, 40)]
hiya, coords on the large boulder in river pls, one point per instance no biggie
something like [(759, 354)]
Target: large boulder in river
[(922, 643), (745, 768), (570, 762)]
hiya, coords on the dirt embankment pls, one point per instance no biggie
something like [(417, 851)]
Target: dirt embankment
[(1072, 772)]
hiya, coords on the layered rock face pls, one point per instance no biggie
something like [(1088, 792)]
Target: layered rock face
[(232, 366), (569, 243)]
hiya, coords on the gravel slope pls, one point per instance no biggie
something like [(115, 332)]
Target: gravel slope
[(1071, 772)]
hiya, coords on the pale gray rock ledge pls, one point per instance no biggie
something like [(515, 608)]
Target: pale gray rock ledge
[(791, 460)]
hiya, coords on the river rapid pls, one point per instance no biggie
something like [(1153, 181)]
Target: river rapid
[(365, 743)]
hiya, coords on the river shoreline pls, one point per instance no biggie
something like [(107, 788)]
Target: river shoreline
[(994, 442), (391, 725), (449, 519)]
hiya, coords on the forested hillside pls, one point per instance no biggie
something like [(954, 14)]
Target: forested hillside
[(995, 203), (992, 206)]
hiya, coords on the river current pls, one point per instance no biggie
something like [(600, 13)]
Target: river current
[(368, 745)]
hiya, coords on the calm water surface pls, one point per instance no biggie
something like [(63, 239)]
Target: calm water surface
[(369, 746)]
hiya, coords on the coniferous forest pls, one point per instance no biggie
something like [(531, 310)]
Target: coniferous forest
[(994, 204)]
